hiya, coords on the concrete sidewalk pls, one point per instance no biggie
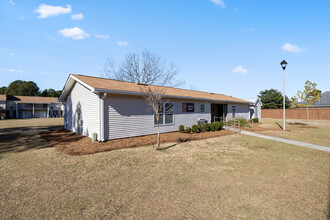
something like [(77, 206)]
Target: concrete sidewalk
[(298, 143)]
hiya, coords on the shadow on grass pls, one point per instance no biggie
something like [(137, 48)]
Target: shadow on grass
[(168, 147), (279, 125), (15, 140)]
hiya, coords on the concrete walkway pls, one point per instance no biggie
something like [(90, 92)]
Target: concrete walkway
[(298, 143)]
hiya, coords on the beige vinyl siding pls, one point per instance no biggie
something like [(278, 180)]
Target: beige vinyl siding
[(127, 116), (89, 105)]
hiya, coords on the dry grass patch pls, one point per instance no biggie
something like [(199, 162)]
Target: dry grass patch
[(31, 123), (231, 177), (317, 133), (22, 134)]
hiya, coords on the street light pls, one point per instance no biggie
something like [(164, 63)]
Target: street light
[(283, 65)]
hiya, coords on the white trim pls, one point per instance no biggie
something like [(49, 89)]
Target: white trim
[(102, 124), (82, 83), (66, 89)]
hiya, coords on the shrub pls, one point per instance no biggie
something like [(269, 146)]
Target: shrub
[(255, 120), (195, 129), (200, 128), (212, 126), (221, 125), (187, 130), (243, 121), (218, 126), (181, 128), (206, 127)]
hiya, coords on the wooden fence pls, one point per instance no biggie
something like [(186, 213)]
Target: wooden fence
[(314, 113)]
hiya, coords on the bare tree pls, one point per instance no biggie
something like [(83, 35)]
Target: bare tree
[(153, 97), (145, 68)]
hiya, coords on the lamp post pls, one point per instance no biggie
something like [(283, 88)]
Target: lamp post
[(283, 64)]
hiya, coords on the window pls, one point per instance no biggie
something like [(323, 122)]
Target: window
[(166, 115), (202, 107), (188, 107)]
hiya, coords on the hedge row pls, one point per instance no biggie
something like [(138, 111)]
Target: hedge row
[(215, 126)]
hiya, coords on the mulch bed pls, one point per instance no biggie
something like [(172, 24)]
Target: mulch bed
[(74, 144)]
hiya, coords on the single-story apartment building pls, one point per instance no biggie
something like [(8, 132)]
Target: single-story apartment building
[(115, 109), (29, 107)]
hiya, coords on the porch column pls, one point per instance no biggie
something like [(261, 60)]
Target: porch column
[(32, 110), (16, 110), (47, 110)]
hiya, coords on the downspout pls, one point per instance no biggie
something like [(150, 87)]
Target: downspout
[(102, 117)]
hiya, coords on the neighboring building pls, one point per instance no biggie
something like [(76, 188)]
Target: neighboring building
[(114, 109), (29, 107), (2, 107), (324, 101), (255, 109)]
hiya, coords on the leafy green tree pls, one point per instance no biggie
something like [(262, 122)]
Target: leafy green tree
[(50, 93), (58, 93), (24, 88), (305, 98), (273, 99), (3, 89)]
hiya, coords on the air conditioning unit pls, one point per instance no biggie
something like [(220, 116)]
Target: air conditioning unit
[(201, 122)]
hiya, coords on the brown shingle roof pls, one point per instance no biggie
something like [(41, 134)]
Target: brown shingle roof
[(108, 84), (31, 99)]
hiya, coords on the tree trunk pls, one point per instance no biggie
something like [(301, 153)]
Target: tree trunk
[(158, 137), (307, 116)]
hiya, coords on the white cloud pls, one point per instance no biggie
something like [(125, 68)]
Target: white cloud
[(74, 33), (101, 36), (291, 48), (12, 70), (48, 10), (11, 2), (240, 69), (77, 16), (122, 43), (221, 3), (12, 54)]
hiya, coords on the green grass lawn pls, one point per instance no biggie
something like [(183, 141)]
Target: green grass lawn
[(228, 177), (317, 133)]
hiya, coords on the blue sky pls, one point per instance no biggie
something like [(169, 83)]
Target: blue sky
[(230, 47)]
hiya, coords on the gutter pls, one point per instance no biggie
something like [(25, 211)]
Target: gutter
[(101, 138)]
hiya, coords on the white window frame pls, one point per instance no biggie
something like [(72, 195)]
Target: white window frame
[(163, 113)]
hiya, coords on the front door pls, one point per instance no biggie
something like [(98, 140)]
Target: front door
[(218, 112)]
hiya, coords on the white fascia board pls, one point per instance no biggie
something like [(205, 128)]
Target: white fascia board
[(68, 84), (167, 96), (82, 83)]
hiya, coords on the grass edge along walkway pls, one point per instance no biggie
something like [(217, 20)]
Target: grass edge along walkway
[(298, 143)]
